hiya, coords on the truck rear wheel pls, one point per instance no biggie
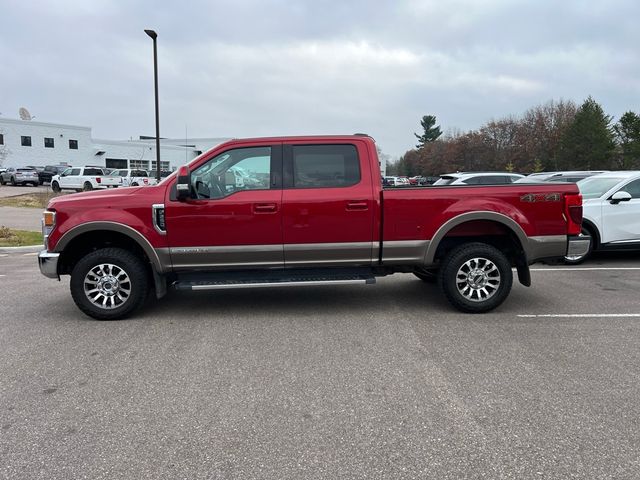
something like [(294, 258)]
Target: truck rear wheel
[(109, 284), (87, 187), (475, 277)]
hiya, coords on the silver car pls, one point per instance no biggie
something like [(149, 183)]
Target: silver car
[(20, 176)]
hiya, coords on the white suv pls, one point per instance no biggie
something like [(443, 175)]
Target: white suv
[(611, 212), (478, 178)]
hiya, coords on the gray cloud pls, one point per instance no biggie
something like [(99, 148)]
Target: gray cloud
[(248, 68)]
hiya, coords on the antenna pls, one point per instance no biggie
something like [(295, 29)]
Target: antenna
[(24, 114)]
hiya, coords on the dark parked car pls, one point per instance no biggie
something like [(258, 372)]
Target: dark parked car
[(49, 171)]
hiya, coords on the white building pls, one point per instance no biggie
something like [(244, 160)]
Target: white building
[(40, 143)]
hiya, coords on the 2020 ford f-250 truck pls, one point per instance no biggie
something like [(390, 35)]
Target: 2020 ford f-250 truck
[(308, 211)]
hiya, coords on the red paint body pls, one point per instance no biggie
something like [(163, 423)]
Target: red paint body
[(314, 215)]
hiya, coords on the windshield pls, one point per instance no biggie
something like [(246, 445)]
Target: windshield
[(444, 180), (596, 187)]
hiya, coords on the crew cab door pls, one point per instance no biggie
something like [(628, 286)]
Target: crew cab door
[(621, 221), (328, 205), (228, 223), (70, 178)]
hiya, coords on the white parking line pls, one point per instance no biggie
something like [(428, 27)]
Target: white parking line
[(582, 315), (29, 254), (586, 269), (4, 254)]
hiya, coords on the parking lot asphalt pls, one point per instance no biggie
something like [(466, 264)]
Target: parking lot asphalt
[(21, 218), (385, 381), (11, 191)]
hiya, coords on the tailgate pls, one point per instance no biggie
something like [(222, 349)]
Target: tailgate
[(109, 181)]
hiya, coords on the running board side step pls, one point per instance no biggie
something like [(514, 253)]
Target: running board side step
[(274, 282)]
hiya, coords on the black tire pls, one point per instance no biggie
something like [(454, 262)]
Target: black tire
[(578, 260), (427, 276), (123, 261), (2, 182), (134, 184), (13, 181), (490, 287), (40, 182), (87, 187), (55, 186)]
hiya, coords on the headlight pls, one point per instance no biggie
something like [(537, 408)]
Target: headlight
[(48, 224)]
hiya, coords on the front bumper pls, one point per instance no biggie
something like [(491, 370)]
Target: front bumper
[(578, 246), (48, 263)]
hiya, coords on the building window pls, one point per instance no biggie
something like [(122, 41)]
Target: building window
[(164, 166), (1, 139), (139, 164), (73, 144), (26, 141), (117, 163), (48, 142)]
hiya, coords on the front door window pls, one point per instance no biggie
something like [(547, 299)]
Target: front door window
[(233, 171)]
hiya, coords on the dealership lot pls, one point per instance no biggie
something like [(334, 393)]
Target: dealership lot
[(350, 382)]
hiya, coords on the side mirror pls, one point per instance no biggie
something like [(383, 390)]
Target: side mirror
[(183, 184), (620, 196)]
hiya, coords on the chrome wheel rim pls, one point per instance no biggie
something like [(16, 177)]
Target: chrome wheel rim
[(107, 286), (478, 279)]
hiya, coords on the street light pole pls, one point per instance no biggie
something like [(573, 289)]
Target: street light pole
[(154, 36)]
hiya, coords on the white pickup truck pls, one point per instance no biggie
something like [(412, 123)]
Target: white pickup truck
[(84, 179), (134, 177)]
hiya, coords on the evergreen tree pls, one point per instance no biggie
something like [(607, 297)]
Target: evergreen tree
[(431, 131), (588, 142), (628, 136)]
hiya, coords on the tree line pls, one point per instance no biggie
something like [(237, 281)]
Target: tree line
[(557, 135)]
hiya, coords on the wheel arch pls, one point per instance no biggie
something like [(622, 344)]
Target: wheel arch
[(92, 235), (500, 231), (593, 228), (511, 227)]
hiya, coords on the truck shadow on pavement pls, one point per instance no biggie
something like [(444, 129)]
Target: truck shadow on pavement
[(393, 296)]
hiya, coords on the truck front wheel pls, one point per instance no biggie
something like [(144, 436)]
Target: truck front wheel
[(109, 284), (475, 277), (55, 186)]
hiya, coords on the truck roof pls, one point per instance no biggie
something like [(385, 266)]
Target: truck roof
[(300, 138)]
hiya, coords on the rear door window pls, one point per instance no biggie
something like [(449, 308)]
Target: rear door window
[(90, 172), (324, 166)]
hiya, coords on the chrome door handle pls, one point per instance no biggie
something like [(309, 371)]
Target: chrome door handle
[(357, 206), (265, 208)]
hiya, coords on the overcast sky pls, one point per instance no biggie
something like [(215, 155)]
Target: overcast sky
[(253, 68)]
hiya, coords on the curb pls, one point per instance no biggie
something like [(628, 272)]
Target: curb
[(25, 249)]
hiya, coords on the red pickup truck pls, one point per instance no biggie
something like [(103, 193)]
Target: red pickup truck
[(301, 211)]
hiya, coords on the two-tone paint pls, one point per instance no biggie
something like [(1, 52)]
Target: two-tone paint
[(281, 227)]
